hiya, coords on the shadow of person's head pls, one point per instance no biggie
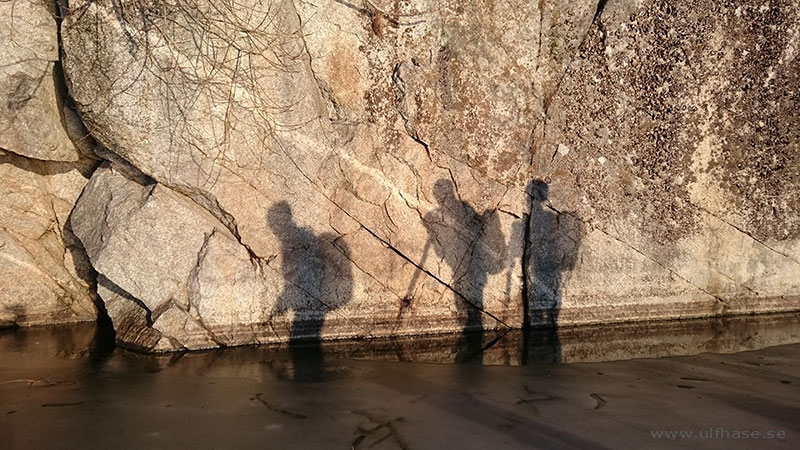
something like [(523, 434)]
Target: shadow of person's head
[(538, 190), (279, 217), (443, 191)]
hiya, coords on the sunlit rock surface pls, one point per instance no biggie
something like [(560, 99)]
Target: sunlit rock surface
[(33, 116), (45, 277), (329, 169)]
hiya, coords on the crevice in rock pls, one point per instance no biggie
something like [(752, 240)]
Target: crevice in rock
[(547, 99), (541, 35), (102, 280), (43, 167), (209, 202), (526, 238), (74, 246), (375, 15), (176, 344), (122, 165), (400, 97), (192, 279), (76, 129), (358, 9), (510, 213), (601, 4), (210, 334)]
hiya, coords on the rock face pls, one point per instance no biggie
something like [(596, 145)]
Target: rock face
[(45, 277), (33, 117), (326, 169)]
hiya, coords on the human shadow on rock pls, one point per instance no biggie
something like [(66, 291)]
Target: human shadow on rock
[(553, 238), (473, 246), (318, 280)]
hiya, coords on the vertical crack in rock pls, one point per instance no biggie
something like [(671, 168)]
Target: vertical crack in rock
[(525, 267), (400, 98), (71, 119), (325, 91), (541, 35), (548, 97), (601, 4)]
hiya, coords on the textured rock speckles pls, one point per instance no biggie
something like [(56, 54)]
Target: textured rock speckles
[(656, 87), (758, 115), (655, 91)]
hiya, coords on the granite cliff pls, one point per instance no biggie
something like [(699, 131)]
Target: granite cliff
[(261, 171)]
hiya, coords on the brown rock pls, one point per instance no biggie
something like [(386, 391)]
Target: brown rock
[(31, 89), (451, 166), (45, 276)]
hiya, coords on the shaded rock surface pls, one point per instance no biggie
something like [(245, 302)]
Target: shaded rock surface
[(328, 169)]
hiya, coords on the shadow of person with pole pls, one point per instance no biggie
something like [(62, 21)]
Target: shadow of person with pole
[(318, 279), (553, 238), (473, 246)]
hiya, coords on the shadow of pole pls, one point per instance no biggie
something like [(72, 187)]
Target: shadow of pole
[(473, 246)]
